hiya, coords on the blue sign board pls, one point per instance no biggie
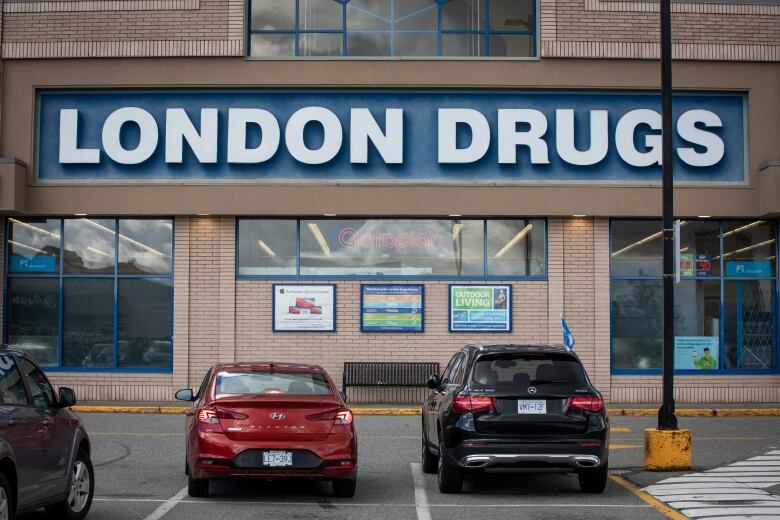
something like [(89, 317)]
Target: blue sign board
[(33, 264), (391, 308), (749, 268), (480, 308), (404, 136), (703, 264)]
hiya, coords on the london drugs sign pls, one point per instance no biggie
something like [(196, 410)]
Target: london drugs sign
[(420, 136)]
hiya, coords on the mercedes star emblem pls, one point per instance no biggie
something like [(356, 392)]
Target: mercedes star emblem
[(531, 390)]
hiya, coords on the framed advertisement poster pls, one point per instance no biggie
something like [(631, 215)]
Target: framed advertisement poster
[(480, 308), (391, 308), (304, 308)]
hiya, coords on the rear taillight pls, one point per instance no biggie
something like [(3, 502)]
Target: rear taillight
[(586, 404), (338, 416), (466, 404), (209, 415), (344, 417)]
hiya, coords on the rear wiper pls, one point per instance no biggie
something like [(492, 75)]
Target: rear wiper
[(547, 382)]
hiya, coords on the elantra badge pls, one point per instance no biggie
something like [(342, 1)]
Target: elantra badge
[(531, 390), (277, 416)]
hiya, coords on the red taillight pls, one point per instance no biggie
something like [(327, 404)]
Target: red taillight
[(465, 404), (344, 417), (586, 404), (338, 416), (208, 415)]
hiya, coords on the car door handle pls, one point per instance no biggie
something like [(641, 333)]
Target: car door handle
[(12, 422)]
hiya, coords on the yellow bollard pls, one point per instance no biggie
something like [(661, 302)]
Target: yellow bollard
[(667, 450)]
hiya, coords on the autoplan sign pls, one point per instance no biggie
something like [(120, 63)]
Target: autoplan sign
[(407, 136)]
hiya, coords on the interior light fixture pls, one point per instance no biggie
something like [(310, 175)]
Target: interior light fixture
[(315, 230), (98, 251), (35, 228), (517, 238), (748, 248), (265, 248), (31, 248), (126, 238), (456, 230), (743, 228), (645, 240)]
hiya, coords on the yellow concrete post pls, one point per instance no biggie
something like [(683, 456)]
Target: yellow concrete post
[(667, 450)]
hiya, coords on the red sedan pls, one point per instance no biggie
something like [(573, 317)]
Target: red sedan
[(269, 420)]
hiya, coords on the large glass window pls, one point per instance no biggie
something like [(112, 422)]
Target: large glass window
[(450, 248), (107, 305), (725, 305), (465, 28)]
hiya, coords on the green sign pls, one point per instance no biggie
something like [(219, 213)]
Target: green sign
[(480, 308), (686, 264)]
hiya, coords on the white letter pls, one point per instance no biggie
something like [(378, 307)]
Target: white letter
[(509, 138), (686, 127), (238, 119), (178, 127), (363, 126), (331, 126), (70, 153), (449, 118), (624, 137), (112, 129), (564, 137)]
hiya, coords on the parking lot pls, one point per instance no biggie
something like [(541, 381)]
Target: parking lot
[(139, 470)]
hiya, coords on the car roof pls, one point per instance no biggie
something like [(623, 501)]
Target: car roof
[(13, 349), (519, 348), (267, 366)]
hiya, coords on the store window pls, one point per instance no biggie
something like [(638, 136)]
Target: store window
[(725, 304), (382, 248), (459, 28), (108, 304)]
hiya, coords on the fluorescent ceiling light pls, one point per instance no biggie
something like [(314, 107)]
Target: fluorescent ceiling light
[(743, 228), (19, 244), (456, 230), (125, 238), (98, 251), (265, 248), (517, 238), (35, 228), (645, 240), (748, 248), (315, 230)]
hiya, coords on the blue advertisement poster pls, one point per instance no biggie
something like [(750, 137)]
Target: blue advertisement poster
[(696, 352), (480, 308), (391, 308), (33, 264), (749, 268)]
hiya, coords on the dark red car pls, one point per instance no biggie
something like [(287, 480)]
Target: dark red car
[(269, 420)]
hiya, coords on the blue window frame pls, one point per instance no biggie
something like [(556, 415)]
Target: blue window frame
[(376, 28), (726, 302), (392, 248), (91, 294)]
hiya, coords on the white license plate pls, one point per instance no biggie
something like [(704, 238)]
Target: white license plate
[(275, 459), (531, 406)]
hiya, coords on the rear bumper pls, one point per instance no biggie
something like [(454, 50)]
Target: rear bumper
[(525, 460), (557, 456)]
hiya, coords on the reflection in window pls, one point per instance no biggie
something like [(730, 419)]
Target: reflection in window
[(266, 247), (466, 28), (88, 322), (144, 323), (749, 248), (637, 248), (145, 246), (33, 310), (34, 245), (89, 245), (749, 332), (636, 319), (516, 247)]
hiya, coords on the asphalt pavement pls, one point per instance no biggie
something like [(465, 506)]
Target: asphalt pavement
[(139, 470)]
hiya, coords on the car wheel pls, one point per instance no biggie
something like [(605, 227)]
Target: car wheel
[(6, 499), (594, 480), (82, 488), (450, 476), (344, 488), (197, 487), (429, 460)]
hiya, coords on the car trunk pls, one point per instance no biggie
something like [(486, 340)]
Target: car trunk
[(506, 419), (271, 418)]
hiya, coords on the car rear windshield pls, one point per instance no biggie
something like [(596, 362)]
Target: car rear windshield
[(516, 372), (284, 383)]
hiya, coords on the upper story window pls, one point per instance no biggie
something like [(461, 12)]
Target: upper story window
[(457, 28)]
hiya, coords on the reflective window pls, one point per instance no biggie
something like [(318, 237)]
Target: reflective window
[(636, 324), (41, 391), (516, 247), (749, 248), (34, 245), (145, 246), (267, 247), (11, 386), (144, 323), (33, 314), (88, 322), (749, 329), (466, 28), (89, 245), (636, 248)]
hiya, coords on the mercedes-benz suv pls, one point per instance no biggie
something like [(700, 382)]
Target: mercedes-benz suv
[(523, 407)]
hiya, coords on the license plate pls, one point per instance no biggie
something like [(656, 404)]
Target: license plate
[(275, 459), (532, 406)]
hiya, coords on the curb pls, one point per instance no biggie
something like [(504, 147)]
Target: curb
[(617, 412)]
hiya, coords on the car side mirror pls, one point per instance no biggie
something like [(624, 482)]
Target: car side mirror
[(67, 397), (343, 395), (185, 395), (433, 382)]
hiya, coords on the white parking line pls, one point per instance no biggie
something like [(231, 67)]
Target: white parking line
[(420, 496), (167, 505)]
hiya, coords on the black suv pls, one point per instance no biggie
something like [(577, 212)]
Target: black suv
[(514, 407), (44, 449)]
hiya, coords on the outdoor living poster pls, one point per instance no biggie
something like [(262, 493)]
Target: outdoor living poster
[(304, 308), (480, 308), (696, 352)]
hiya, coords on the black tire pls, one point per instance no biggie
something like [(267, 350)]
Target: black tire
[(594, 480), (430, 461), (8, 496), (74, 507), (197, 487), (344, 488), (450, 476)]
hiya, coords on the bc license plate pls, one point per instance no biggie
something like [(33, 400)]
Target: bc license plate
[(277, 458), (531, 406)]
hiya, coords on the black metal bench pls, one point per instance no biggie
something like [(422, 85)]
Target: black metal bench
[(407, 381)]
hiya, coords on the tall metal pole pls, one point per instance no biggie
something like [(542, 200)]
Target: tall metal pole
[(666, 418)]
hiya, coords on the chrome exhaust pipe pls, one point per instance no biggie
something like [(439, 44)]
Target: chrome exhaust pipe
[(586, 462), (476, 462)]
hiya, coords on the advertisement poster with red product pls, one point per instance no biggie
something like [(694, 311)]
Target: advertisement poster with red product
[(304, 308)]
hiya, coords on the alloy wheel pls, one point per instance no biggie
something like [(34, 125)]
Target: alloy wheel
[(79, 487)]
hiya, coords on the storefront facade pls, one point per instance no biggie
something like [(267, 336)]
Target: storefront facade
[(169, 207)]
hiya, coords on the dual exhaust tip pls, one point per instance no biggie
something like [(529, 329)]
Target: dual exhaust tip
[(579, 461)]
